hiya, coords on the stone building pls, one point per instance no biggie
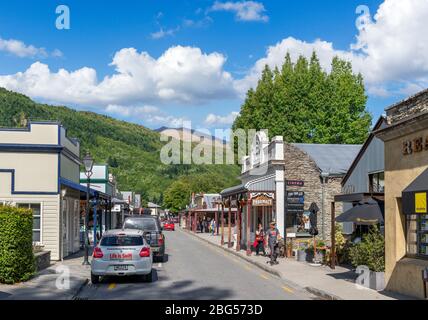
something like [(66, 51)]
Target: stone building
[(316, 171), (281, 180)]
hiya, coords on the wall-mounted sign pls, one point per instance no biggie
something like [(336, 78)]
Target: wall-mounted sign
[(415, 146), (264, 199), (295, 183), (421, 202)]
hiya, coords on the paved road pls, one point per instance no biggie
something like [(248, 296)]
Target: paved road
[(197, 270)]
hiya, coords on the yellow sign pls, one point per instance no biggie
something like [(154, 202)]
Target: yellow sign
[(421, 202)]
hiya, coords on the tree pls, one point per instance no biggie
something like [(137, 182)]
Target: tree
[(304, 103)]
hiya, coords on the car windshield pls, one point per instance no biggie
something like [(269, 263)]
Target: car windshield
[(142, 224), (126, 241)]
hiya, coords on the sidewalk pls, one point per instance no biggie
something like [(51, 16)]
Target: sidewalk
[(322, 281), (47, 284)]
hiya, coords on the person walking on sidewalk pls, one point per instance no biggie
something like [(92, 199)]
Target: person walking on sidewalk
[(273, 237), (260, 240), (213, 226)]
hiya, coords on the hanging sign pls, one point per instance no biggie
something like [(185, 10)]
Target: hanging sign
[(262, 199), (295, 183), (421, 202)]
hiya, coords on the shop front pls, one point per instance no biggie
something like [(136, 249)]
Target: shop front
[(406, 187)]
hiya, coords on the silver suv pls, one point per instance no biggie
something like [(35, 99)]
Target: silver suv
[(122, 253)]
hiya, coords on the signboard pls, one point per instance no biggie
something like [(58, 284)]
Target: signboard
[(262, 199), (421, 202), (295, 183)]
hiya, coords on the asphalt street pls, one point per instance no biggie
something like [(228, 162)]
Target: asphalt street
[(196, 270)]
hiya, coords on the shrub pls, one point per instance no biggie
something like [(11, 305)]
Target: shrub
[(370, 251), (16, 245)]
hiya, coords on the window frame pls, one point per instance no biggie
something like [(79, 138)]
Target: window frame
[(418, 231), (371, 179), (28, 206)]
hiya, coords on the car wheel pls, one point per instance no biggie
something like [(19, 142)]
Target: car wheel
[(149, 277), (95, 279)]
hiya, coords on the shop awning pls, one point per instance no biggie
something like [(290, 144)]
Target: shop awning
[(233, 190), (414, 197), (366, 212)]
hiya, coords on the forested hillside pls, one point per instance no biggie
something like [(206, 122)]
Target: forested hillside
[(131, 150)]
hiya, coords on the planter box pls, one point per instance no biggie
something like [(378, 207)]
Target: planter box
[(310, 256), (370, 279), (301, 256), (377, 281), (42, 260)]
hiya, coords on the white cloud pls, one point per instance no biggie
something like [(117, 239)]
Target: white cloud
[(244, 10), (22, 50), (390, 49), (213, 119), (181, 74), (163, 33)]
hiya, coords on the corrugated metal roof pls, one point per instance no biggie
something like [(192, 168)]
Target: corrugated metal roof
[(332, 158), (211, 199)]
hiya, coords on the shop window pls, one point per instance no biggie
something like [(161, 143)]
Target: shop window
[(417, 235), (36, 218), (377, 182)]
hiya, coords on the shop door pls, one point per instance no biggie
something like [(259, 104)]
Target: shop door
[(64, 229)]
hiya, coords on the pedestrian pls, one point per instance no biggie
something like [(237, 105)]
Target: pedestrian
[(213, 226), (273, 236), (260, 240)]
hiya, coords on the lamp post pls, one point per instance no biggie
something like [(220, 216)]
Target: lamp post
[(324, 176), (88, 162)]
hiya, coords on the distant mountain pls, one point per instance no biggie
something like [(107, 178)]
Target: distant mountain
[(193, 135), (132, 151)]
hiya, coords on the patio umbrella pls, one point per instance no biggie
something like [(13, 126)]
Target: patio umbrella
[(366, 212), (313, 218)]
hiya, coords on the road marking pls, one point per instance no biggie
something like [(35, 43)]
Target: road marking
[(111, 286), (264, 277), (287, 289), (160, 265)]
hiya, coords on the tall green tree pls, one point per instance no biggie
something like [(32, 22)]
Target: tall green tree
[(304, 103)]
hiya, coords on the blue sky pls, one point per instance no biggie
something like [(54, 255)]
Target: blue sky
[(218, 47)]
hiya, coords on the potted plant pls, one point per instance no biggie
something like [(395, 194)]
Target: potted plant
[(320, 251), (301, 252), (370, 253)]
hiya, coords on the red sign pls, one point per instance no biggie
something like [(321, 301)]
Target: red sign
[(120, 256), (295, 183)]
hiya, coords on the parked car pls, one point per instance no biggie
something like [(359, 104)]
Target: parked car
[(169, 225), (152, 229), (122, 253)]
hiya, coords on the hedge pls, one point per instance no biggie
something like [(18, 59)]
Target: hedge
[(16, 245)]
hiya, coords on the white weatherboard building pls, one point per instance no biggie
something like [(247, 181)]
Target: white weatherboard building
[(39, 169)]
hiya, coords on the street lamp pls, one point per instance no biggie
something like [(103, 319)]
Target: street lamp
[(324, 176), (88, 162)]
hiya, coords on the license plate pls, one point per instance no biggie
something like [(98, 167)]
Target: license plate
[(120, 268)]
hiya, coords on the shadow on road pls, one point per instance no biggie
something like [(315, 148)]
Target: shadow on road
[(135, 288)]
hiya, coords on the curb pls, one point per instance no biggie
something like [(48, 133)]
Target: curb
[(317, 292), (322, 294), (79, 289)]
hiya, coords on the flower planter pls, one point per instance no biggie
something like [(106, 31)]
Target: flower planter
[(377, 281), (42, 260), (310, 256), (301, 256)]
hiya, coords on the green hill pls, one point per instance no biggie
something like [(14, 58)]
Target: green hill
[(131, 150)]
